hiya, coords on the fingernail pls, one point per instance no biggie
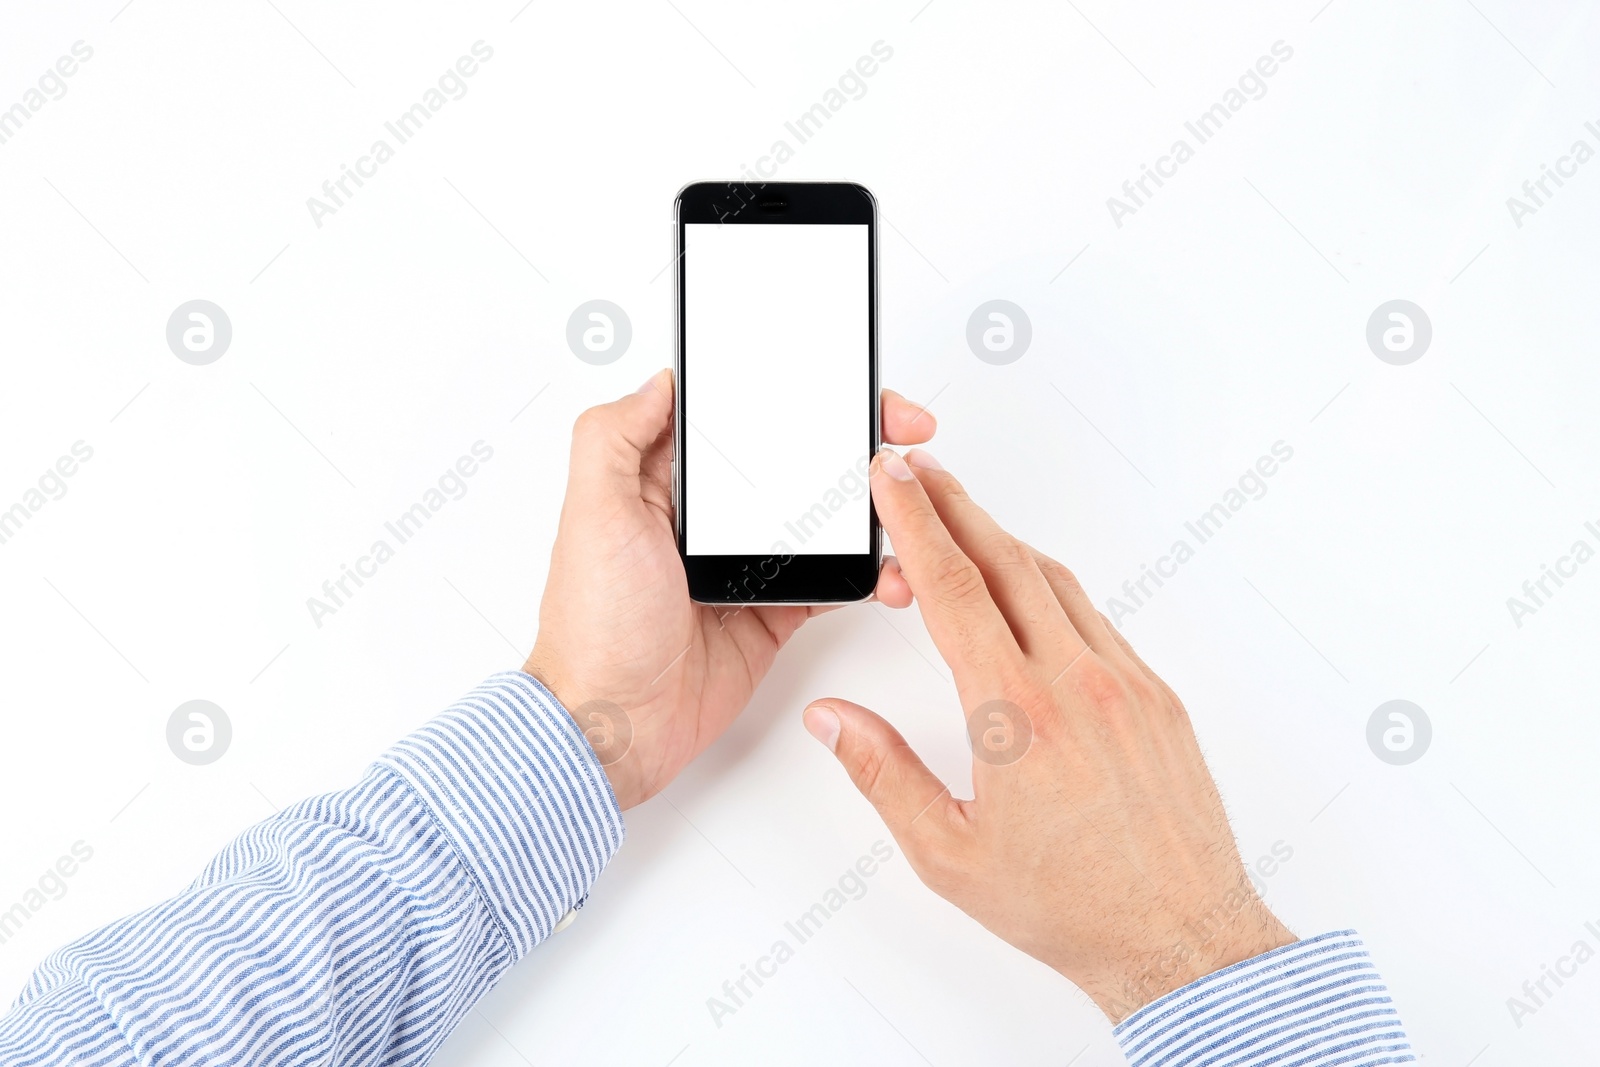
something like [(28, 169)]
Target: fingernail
[(649, 383), (893, 465), (822, 722), (918, 458)]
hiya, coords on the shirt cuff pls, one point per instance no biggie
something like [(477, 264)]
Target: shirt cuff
[(1314, 1003), (519, 792)]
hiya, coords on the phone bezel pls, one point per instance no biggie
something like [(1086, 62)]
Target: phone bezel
[(776, 578)]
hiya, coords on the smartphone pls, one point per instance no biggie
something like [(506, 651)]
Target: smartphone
[(777, 391)]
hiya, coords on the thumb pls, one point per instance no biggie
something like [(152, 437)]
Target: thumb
[(911, 800), (609, 441)]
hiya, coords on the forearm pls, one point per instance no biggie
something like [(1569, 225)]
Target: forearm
[(367, 921), (1313, 1003)]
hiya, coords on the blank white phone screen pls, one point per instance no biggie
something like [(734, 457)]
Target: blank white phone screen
[(776, 375)]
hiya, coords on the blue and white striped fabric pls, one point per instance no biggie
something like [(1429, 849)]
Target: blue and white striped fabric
[(359, 927), (353, 928), (1315, 1003)]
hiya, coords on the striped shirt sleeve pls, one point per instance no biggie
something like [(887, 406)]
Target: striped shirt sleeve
[(1316, 1003), (353, 928)]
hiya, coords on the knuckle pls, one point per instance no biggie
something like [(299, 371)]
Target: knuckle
[(1016, 555), (1006, 551), (950, 490), (1041, 716), (1067, 580), (956, 578), (1101, 686), (1062, 579), (590, 424), (1146, 693), (1054, 569), (871, 775)]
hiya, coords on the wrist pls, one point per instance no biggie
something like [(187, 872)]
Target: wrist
[(1239, 928), (604, 725)]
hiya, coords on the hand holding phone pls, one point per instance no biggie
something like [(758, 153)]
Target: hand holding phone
[(651, 677)]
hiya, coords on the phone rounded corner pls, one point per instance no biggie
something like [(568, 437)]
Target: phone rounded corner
[(683, 192), (867, 195), (678, 198)]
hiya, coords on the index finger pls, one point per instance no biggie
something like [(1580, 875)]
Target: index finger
[(961, 616)]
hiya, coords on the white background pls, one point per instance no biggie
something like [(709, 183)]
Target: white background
[(425, 315), (777, 349)]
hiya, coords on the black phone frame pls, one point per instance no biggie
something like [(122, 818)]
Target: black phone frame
[(776, 578)]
